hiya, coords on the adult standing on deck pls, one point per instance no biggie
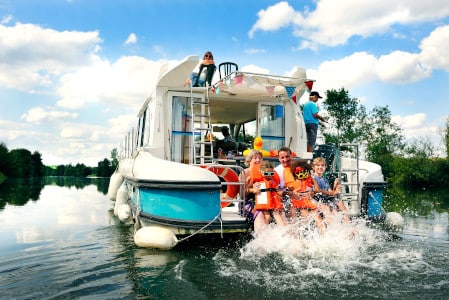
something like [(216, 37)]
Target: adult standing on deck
[(311, 119)]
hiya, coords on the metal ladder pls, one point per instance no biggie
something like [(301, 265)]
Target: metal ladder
[(200, 111), (351, 185)]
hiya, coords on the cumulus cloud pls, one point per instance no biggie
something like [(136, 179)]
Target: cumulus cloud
[(255, 69), (435, 49), (401, 67), (274, 17), (355, 69), (39, 114), (32, 55), (254, 51), (132, 39), (411, 121), (333, 22), (124, 83), (6, 19)]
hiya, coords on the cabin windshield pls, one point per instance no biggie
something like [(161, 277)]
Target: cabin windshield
[(244, 121)]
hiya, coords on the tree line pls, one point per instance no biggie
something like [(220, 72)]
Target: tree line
[(21, 163), (413, 164)]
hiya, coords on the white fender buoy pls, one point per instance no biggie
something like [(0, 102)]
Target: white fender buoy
[(394, 221), (155, 237), (122, 198), (114, 184), (124, 212)]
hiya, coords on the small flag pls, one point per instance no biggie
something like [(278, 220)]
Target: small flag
[(270, 90), (309, 85), (290, 90), (238, 79)]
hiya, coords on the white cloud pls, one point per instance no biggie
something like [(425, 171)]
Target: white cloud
[(410, 122), (333, 22), (435, 48), (132, 39), (347, 72), (254, 51), (401, 67), (125, 83), (255, 69), (6, 19), (39, 114), (33, 56), (274, 17)]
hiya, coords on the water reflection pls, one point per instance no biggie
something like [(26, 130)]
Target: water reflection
[(76, 248), (20, 191), (60, 213)]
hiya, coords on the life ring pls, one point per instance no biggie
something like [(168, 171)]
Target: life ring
[(227, 175)]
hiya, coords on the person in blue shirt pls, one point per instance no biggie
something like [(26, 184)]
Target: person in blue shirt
[(311, 119)]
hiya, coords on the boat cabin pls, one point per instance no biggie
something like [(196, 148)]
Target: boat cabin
[(183, 124)]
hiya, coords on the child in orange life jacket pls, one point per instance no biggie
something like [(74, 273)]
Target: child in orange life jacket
[(298, 178), (252, 176), (268, 200)]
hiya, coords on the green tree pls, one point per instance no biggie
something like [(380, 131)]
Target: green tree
[(346, 117), (446, 138), (114, 156), (382, 139), (105, 168), (5, 166)]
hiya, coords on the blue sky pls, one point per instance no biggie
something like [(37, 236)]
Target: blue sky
[(74, 73)]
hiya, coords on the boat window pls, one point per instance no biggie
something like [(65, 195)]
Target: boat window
[(148, 122), (272, 129), (181, 130)]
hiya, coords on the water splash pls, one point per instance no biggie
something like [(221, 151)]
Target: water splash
[(340, 258)]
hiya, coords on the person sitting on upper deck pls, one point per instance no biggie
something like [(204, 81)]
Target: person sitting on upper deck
[(208, 59)]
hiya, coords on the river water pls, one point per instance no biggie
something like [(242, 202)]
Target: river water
[(59, 240)]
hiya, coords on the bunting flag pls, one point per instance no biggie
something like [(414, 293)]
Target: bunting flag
[(217, 90), (309, 85), (238, 79), (294, 98), (228, 81), (270, 90), (290, 90), (212, 89)]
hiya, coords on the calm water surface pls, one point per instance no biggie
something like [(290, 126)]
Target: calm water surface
[(59, 240)]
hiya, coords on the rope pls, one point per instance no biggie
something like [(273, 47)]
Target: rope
[(202, 228)]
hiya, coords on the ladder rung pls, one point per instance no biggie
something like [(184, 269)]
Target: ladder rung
[(200, 102)]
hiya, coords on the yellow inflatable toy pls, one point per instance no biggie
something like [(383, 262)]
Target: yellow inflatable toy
[(258, 143)]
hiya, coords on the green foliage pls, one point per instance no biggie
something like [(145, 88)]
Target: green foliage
[(114, 156), (105, 168), (446, 137), (419, 169), (20, 163), (346, 117), (349, 122)]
